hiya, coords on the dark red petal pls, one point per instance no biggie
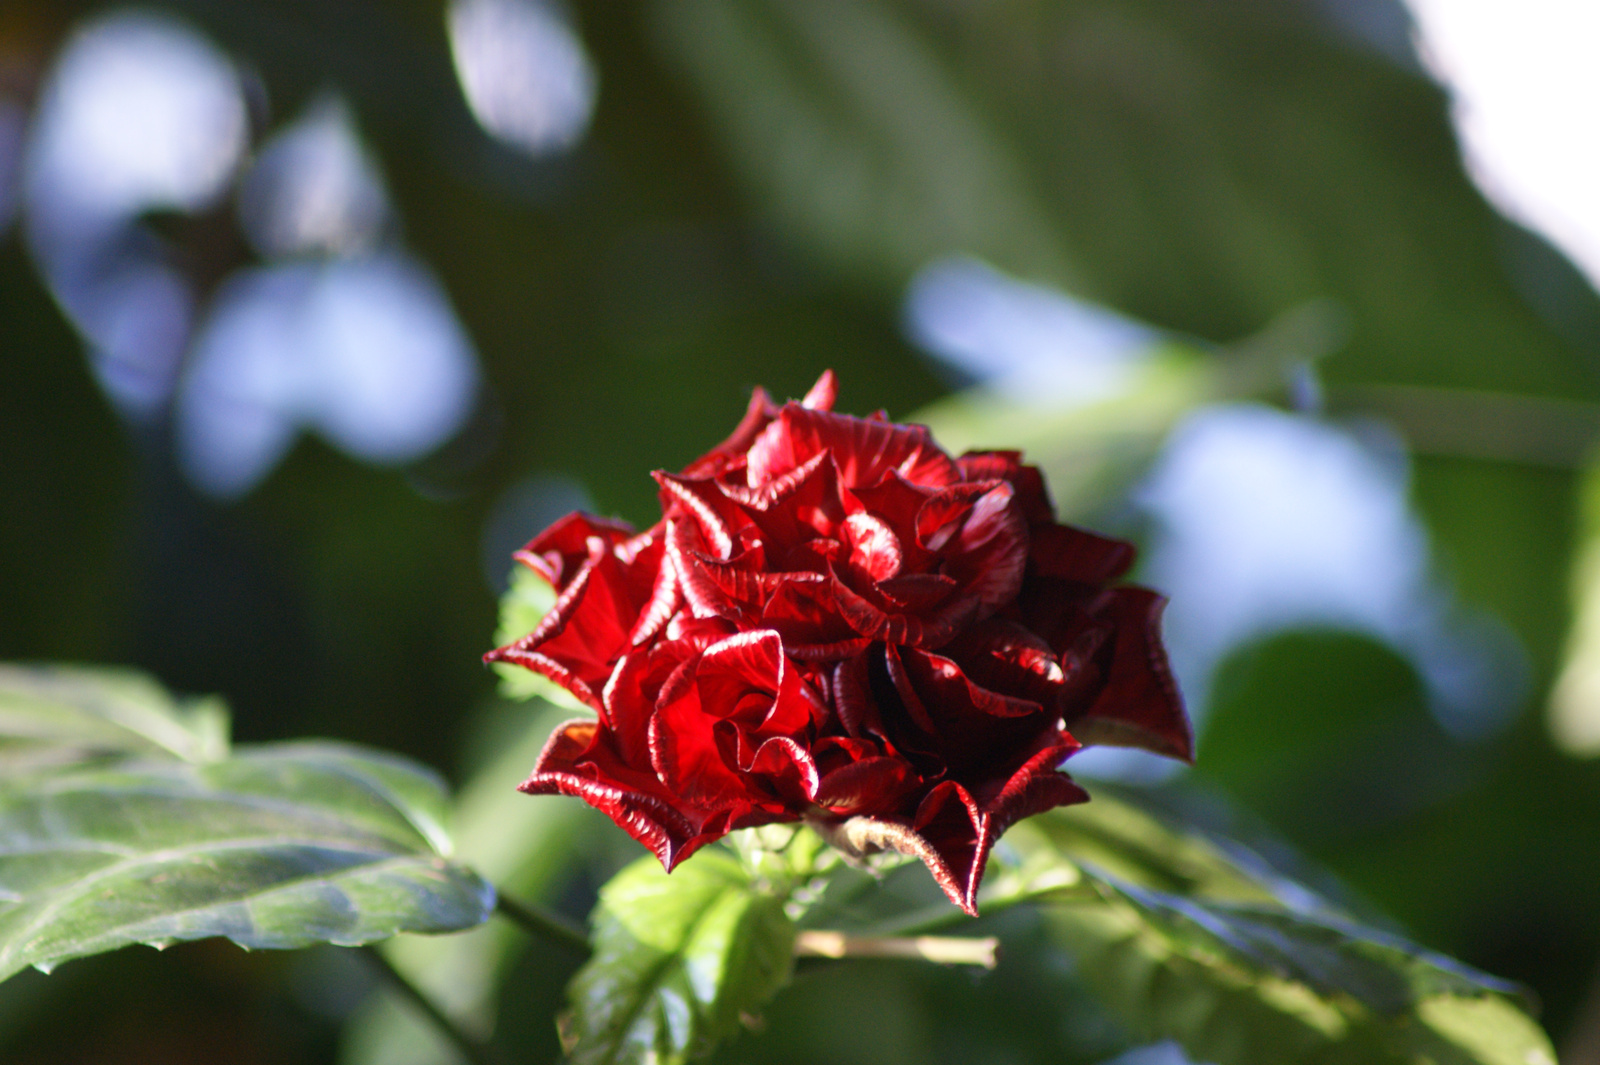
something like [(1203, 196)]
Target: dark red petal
[(556, 553), (941, 515), (825, 652), (687, 757), (573, 763), (1078, 555), (1139, 706), (748, 661), (630, 696), (974, 733), (1058, 611), (852, 695), (871, 786), (666, 596), (1032, 495), (701, 632), (865, 451), (962, 835), (741, 580), (706, 598), (911, 702), (716, 517), (949, 821), (989, 554), (945, 688), (581, 637), (788, 770), (898, 502), (930, 630), (874, 548), (804, 610), (1005, 657), (913, 593), (754, 662), (792, 509)]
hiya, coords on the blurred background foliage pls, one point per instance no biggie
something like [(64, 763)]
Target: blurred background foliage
[(1218, 267)]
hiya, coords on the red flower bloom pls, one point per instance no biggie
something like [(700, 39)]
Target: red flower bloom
[(836, 621)]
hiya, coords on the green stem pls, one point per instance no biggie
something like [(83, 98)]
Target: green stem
[(469, 1047), (943, 950), (544, 924)]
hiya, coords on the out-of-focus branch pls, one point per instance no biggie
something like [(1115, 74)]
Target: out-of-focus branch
[(1469, 423)]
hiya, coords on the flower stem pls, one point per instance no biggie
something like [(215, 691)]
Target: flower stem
[(470, 1048), (945, 950), (543, 924)]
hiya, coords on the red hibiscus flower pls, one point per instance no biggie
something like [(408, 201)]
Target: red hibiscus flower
[(835, 621)]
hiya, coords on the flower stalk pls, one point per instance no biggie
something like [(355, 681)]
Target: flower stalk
[(543, 924), (942, 950), (474, 1050)]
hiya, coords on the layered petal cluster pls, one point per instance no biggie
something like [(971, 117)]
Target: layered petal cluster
[(836, 621)]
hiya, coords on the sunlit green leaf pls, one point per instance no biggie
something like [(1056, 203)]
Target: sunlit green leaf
[(1188, 940), (279, 846), (679, 961), (167, 837), (50, 715)]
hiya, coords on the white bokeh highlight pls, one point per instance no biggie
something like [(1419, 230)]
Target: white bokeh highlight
[(524, 72), (1030, 343), (139, 112), (1267, 521), (1163, 1053), (367, 352), (313, 189), (1525, 100)]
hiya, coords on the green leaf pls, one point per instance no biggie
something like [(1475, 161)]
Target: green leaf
[(525, 603), (282, 845), (679, 960), (51, 715), (1193, 940), (913, 167)]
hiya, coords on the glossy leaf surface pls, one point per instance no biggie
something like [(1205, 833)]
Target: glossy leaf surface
[(678, 962), (281, 845), (52, 714)]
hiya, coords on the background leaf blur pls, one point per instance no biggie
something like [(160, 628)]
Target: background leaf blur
[(758, 187)]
